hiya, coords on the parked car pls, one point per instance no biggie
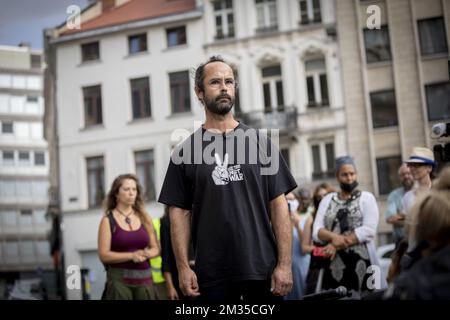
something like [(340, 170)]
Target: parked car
[(384, 254)]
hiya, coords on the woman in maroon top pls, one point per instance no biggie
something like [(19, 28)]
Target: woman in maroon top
[(126, 241)]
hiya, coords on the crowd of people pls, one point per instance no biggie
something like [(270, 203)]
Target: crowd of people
[(231, 233), (333, 232)]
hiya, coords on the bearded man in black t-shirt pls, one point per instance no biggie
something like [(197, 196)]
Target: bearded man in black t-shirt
[(225, 185)]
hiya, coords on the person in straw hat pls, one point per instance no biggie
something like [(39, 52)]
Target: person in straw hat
[(421, 163)]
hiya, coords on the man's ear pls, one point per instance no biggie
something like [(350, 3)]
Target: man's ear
[(199, 94)]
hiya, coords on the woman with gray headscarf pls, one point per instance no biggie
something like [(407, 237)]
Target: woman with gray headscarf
[(346, 222)]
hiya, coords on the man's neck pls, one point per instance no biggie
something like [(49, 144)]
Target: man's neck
[(219, 123)]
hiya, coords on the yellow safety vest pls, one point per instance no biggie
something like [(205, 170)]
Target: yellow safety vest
[(156, 262)]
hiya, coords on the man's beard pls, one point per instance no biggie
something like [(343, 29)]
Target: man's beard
[(219, 107), (408, 186)]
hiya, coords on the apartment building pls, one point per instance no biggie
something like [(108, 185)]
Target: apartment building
[(396, 82), (24, 167)]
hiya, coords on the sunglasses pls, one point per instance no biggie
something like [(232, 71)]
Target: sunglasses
[(416, 165)]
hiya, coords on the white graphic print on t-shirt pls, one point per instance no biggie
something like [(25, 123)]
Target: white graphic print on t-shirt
[(222, 175)]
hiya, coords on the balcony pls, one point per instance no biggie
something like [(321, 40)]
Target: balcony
[(266, 29), (284, 119), (221, 36)]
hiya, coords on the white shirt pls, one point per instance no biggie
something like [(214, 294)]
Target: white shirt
[(369, 211), (365, 233)]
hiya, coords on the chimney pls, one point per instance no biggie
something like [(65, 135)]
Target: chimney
[(108, 5)]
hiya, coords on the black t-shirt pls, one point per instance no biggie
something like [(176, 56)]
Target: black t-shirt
[(229, 196)]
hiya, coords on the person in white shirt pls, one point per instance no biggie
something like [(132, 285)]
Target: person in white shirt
[(421, 164), (347, 221), (394, 213)]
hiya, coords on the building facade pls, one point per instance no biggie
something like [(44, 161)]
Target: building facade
[(285, 54), (120, 88), (121, 92), (24, 168), (125, 87), (396, 82)]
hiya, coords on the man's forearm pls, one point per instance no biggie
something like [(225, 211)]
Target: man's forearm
[(180, 232), (282, 229)]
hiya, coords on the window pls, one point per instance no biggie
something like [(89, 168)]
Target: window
[(266, 15), (272, 88), (145, 170), (310, 11), (140, 98), (316, 83), (176, 36), (137, 43), (377, 44), (34, 83), (179, 92), (32, 99), (90, 51), (92, 105), (35, 60), (7, 127), (438, 101), (7, 188), (387, 169), (8, 158), (24, 189), (9, 217), (11, 248), (27, 250), (95, 179), (223, 13), (24, 157), (40, 188), (26, 217), (43, 248), (432, 36), (39, 158), (384, 109), (323, 160), (39, 217)]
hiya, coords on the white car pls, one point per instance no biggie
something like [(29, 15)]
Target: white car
[(384, 254)]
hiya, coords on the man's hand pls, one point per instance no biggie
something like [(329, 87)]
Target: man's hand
[(188, 282), (281, 283), (397, 220)]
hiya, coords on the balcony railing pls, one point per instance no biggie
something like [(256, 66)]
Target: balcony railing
[(267, 29), (284, 119)]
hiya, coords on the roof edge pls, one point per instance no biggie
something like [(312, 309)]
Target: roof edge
[(148, 22)]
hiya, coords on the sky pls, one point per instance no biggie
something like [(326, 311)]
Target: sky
[(25, 20)]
